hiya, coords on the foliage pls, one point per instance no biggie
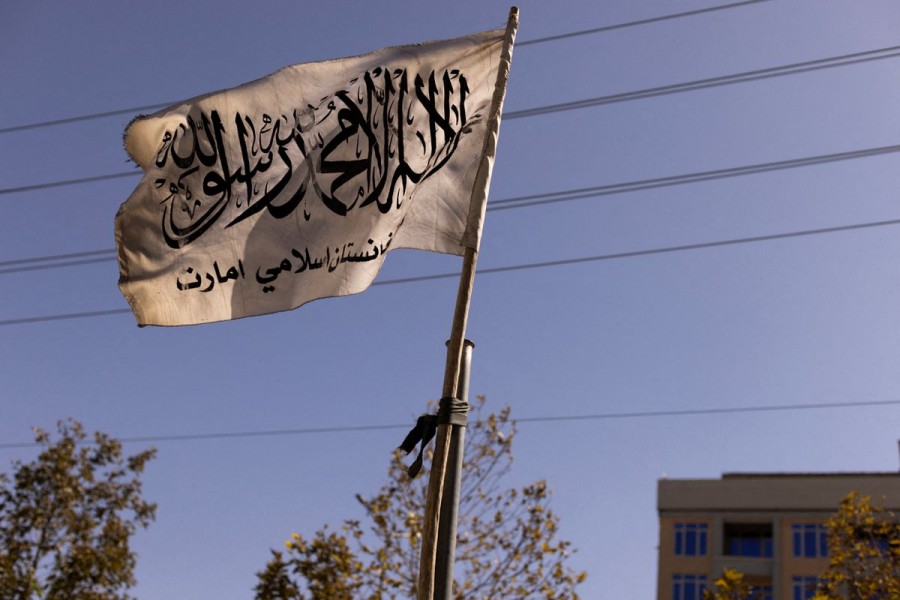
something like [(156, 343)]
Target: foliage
[(730, 586), (66, 518), (864, 557), (864, 553), (507, 542), (275, 580)]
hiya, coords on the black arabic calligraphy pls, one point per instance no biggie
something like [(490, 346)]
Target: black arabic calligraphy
[(299, 261), (198, 282), (330, 261), (366, 145)]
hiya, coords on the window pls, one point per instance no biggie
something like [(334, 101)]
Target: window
[(876, 542), (690, 539), (688, 587), (748, 539), (810, 540), (804, 587), (761, 592)]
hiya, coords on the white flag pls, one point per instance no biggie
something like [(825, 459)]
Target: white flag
[(293, 187)]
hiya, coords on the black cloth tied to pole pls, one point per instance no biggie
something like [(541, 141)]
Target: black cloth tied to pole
[(451, 411)]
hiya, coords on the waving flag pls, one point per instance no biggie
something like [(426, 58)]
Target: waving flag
[(294, 187)]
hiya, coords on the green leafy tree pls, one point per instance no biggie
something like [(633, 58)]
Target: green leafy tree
[(864, 553), (66, 519), (730, 586), (507, 539)]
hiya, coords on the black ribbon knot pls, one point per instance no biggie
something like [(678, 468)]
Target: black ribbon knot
[(451, 411)]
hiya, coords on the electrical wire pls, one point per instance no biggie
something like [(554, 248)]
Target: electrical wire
[(686, 178), (528, 266), (67, 182), (711, 82), (60, 260), (157, 106), (52, 257), (648, 21), (650, 252), (67, 316), (58, 265), (793, 69), (650, 414)]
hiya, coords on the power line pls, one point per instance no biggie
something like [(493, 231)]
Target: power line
[(22, 261), (711, 82), (747, 76), (688, 412), (529, 266), (61, 260), (650, 252), (57, 265), (709, 411), (150, 107), (67, 316), (690, 13), (88, 117), (233, 434), (66, 182), (686, 178)]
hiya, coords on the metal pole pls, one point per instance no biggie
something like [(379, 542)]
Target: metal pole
[(446, 543), (425, 584), (425, 589)]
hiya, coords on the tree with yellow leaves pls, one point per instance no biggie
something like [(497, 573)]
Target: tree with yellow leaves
[(67, 518), (864, 557), (507, 540), (730, 586), (864, 553)]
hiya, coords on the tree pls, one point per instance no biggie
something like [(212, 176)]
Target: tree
[(66, 518), (864, 553), (507, 541), (730, 586)]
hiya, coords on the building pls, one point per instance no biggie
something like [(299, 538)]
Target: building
[(769, 526)]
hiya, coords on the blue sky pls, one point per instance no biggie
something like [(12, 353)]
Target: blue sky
[(799, 320)]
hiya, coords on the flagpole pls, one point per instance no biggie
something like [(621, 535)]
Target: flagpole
[(442, 441), (425, 587)]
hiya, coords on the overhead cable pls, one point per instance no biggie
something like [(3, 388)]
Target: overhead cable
[(700, 176), (53, 257), (825, 63), (107, 255), (648, 414), (528, 266), (648, 21), (711, 82), (150, 107), (67, 182)]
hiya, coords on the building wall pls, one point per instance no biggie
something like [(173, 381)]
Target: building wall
[(670, 563), (780, 500), (793, 566)]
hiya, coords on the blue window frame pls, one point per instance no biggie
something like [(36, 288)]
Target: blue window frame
[(690, 539), (810, 540), (688, 587), (804, 587)]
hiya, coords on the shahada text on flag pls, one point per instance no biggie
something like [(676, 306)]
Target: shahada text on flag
[(293, 187)]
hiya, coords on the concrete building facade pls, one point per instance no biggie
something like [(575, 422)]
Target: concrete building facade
[(769, 526)]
